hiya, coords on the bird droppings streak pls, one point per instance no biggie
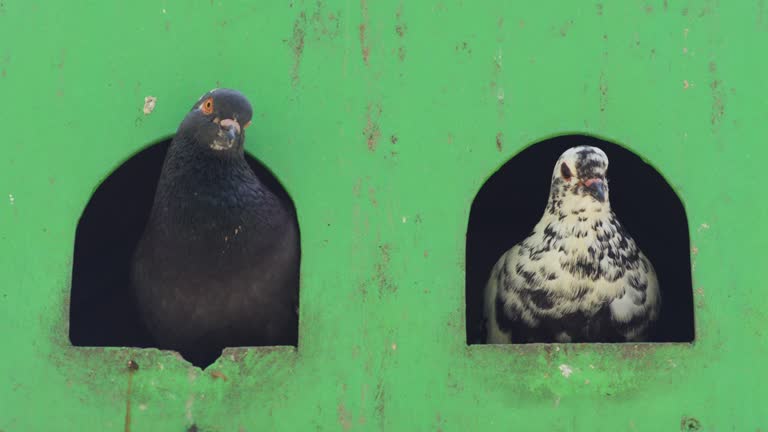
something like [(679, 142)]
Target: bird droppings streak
[(149, 105), (188, 409), (364, 48), (372, 131), (297, 44), (603, 92), (718, 97), (565, 370), (499, 141), (383, 279), (401, 30), (344, 417)]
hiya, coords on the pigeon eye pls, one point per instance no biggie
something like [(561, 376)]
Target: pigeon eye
[(565, 172), (207, 106)]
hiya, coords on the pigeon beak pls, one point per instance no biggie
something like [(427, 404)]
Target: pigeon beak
[(231, 133), (596, 188), (231, 128)]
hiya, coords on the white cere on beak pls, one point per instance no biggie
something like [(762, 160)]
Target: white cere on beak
[(230, 122), (223, 142)]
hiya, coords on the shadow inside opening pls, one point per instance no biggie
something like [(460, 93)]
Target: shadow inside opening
[(102, 310)]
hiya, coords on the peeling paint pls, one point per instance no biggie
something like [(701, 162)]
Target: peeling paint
[(565, 370), (149, 104)]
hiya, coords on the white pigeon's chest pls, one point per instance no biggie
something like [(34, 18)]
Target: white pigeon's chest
[(576, 261)]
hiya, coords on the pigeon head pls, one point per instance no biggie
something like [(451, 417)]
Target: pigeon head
[(218, 120), (580, 176)]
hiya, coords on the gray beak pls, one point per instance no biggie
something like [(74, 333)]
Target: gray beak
[(231, 128), (230, 132), (596, 188)]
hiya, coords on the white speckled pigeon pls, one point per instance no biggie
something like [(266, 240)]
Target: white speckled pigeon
[(218, 263), (579, 276)]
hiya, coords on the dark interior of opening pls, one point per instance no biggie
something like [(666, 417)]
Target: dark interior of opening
[(503, 214), (102, 310)]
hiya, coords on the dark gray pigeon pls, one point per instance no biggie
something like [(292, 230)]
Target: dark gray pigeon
[(579, 276), (218, 263)]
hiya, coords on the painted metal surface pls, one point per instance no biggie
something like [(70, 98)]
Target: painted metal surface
[(383, 120)]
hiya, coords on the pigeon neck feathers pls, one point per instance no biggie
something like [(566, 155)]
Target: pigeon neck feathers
[(200, 187), (582, 227)]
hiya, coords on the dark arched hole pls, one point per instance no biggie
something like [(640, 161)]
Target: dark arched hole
[(512, 201), (102, 311)]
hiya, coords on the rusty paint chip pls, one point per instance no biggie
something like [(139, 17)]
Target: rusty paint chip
[(132, 365), (219, 374)]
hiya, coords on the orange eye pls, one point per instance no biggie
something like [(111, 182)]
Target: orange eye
[(207, 106)]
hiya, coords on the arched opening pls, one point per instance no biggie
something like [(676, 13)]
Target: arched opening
[(102, 310), (503, 213)]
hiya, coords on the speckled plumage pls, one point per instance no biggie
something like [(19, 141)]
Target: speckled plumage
[(579, 276), (218, 262)]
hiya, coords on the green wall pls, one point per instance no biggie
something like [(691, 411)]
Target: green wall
[(382, 343)]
